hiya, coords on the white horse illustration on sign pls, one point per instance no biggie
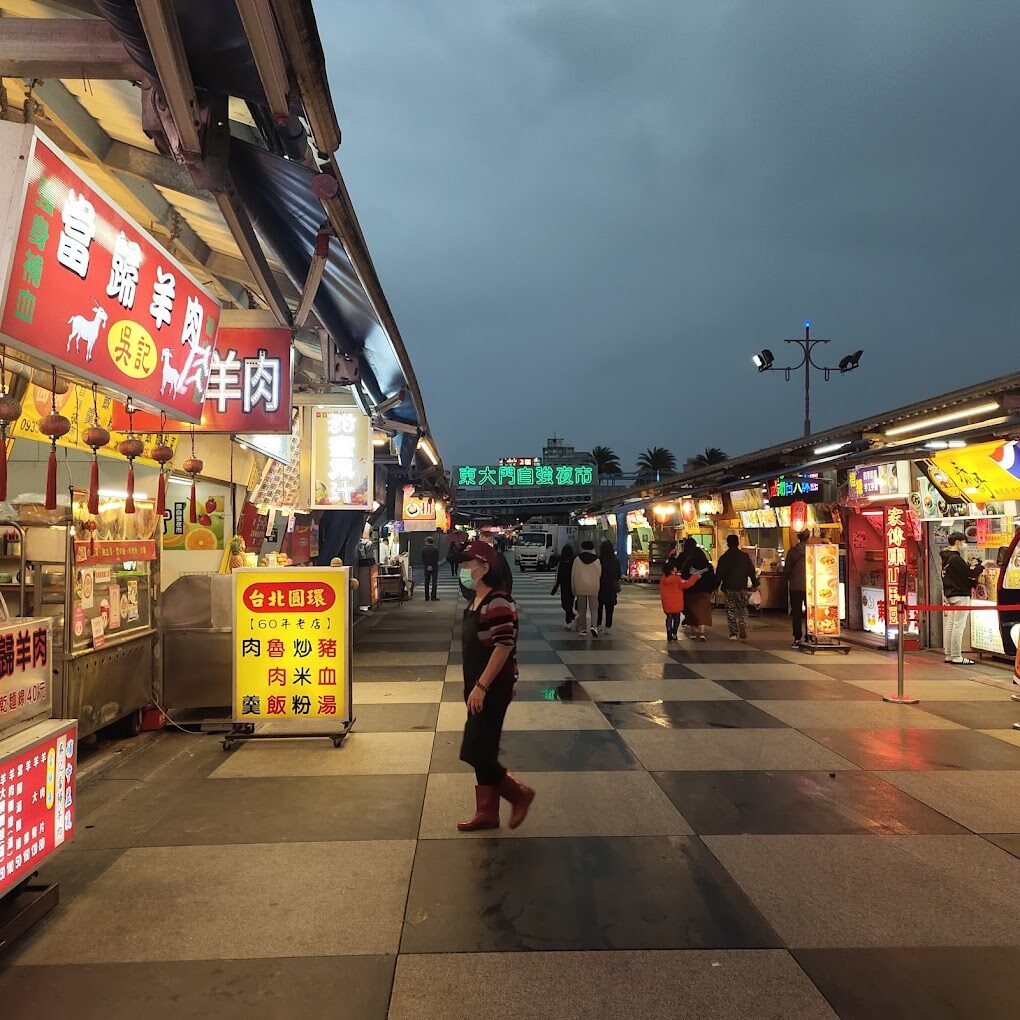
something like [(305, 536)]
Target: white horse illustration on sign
[(171, 377), (87, 330)]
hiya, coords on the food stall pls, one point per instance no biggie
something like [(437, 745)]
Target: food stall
[(974, 490), (639, 540)]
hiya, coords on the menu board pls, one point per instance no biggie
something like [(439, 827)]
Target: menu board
[(38, 770), (985, 635), (823, 592)]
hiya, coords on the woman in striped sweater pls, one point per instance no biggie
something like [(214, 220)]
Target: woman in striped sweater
[(489, 644)]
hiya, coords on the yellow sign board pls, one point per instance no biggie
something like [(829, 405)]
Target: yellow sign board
[(292, 645), (76, 406), (984, 471), (823, 592)]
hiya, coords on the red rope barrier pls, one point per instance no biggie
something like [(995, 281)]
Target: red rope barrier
[(963, 609)]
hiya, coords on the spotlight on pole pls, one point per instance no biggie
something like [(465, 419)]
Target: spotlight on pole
[(850, 362), (763, 360)]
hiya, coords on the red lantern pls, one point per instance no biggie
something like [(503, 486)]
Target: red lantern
[(193, 466), (54, 426), (689, 511), (130, 448), (798, 516)]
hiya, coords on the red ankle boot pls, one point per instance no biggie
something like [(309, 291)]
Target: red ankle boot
[(486, 810), (520, 797)]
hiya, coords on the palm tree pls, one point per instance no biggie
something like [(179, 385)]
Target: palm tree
[(712, 455), (655, 462), (606, 460)]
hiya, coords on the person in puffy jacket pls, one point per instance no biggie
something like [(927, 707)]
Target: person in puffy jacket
[(795, 575), (958, 580), (737, 579), (585, 579), (671, 592)]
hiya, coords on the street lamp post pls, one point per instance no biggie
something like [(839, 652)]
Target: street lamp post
[(765, 362)]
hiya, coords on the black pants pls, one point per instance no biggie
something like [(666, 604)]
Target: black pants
[(431, 577), (608, 608), (672, 624), (482, 732), (798, 610), (453, 567), (567, 601)]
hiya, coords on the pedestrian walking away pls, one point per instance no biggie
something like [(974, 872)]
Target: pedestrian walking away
[(564, 585), (959, 579), (795, 575), (489, 645), (697, 601), (671, 593), (737, 579), (609, 583), (430, 563), (585, 578), (452, 556)]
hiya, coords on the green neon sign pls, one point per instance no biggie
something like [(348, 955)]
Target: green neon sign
[(505, 476)]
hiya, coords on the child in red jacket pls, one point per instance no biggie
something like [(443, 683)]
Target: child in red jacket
[(671, 591)]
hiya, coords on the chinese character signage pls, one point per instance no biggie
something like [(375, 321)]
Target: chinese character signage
[(494, 476), (984, 471), (898, 528), (38, 771), (342, 459), (249, 387), (823, 592), (26, 665), (292, 634), (89, 290), (787, 489)]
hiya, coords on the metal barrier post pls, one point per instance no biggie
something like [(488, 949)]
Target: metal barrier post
[(899, 698)]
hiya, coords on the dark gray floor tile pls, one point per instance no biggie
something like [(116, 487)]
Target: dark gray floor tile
[(694, 653), (327, 988), (978, 715), (395, 718), (526, 658), (530, 690), (917, 984), (382, 643), (797, 689), (308, 809), (798, 803), (544, 751), (75, 870), (890, 750), (370, 674), (675, 715), (602, 644), (172, 753), (637, 671), (653, 892), (1009, 841)]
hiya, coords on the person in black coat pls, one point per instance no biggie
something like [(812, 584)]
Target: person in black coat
[(564, 585), (609, 584), (737, 578), (430, 564), (697, 600)]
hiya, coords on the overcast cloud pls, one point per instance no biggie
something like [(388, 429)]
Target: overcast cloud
[(588, 216)]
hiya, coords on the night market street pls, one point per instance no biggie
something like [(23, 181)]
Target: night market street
[(721, 830)]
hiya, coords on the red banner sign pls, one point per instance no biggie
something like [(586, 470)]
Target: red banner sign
[(87, 289), (37, 789), (97, 553), (249, 386)]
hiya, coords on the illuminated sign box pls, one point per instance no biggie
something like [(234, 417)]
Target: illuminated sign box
[(342, 459), (788, 489)]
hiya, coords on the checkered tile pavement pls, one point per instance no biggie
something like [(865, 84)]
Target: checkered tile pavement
[(721, 830)]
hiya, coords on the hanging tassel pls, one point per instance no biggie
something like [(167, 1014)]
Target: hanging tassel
[(51, 480), (3, 465), (94, 487), (129, 504), (161, 495), (194, 503)]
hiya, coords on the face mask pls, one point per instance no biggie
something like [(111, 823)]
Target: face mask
[(467, 579)]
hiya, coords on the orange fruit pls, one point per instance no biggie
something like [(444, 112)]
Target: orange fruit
[(200, 540)]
